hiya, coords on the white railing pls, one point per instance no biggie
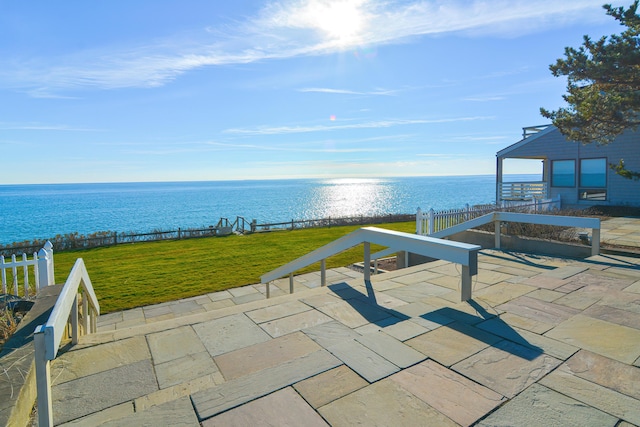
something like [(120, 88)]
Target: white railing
[(430, 222), (522, 190), (47, 337), (42, 263), (459, 253), (556, 220)]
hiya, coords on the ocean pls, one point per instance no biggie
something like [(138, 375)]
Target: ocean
[(43, 211)]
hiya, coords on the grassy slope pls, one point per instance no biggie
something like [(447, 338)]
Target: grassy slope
[(133, 275)]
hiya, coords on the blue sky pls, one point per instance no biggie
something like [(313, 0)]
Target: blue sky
[(216, 90)]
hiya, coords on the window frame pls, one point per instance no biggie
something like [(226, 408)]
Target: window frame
[(586, 192), (553, 163)]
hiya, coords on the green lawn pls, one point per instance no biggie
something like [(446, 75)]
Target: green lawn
[(133, 275)]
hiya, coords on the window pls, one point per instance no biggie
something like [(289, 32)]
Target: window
[(593, 179), (563, 173)]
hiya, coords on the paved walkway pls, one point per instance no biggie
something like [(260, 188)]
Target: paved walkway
[(545, 341), (621, 231)]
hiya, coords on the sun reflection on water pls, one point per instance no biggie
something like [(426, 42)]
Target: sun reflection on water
[(351, 197)]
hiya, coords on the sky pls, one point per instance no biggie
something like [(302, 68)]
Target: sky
[(195, 90)]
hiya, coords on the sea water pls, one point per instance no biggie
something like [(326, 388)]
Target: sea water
[(43, 211)]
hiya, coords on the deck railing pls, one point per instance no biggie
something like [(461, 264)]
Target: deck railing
[(523, 190), (430, 222), (459, 253), (556, 220), (47, 337), (42, 263)]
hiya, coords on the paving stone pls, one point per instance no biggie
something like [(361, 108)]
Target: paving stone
[(612, 402), (405, 330), (174, 344), (249, 387), (94, 393), (384, 403), (492, 277), (635, 287), (229, 333), (391, 349), (248, 298), (282, 408), (451, 282), (296, 322), (185, 307), (557, 349), (316, 301), (353, 313), (540, 406), (177, 391), (565, 272), (387, 301), (178, 413), (329, 386), (216, 305), (75, 364), (614, 315), (265, 355), (544, 282), (417, 292), (545, 295), (184, 369), (452, 343), (367, 363), (502, 292), (506, 367), (539, 310), (606, 372), (417, 277), (134, 314), (220, 295), (450, 393), (277, 311), (157, 310), (101, 417), (242, 291), (608, 339), (526, 323), (330, 333)]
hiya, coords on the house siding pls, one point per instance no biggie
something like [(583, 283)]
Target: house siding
[(553, 145)]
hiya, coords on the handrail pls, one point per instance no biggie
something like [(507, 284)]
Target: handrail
[(459, 253), (555, 220), (47, 337)]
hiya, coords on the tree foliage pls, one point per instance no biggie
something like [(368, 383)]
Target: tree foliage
[(603, 83)]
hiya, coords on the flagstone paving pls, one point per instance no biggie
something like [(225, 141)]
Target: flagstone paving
[(544, 342)]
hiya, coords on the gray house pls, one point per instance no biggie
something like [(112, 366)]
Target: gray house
[(579, 174)]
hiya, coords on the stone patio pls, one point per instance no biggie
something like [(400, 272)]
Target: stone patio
[(545, 341)]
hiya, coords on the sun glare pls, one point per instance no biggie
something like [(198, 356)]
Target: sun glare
[(340, 20)]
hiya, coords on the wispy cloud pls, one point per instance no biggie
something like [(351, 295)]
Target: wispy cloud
[(349, 92), (365, 125), (45, 127), (285, 29)]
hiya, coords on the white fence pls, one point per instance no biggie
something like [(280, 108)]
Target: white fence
[(18, 271), (430, 222)]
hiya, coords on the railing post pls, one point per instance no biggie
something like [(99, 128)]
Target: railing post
[(48, 247), (43, 269), (595, 241), (431, 225), (367, 261), (290, 283), (466, 284), (498, 226), (43, 379), (323, 272), (74, 321), (419, 222)]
